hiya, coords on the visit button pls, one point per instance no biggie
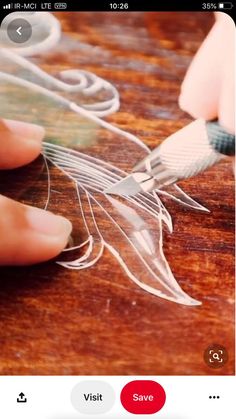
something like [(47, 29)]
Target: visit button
[(143, 397)]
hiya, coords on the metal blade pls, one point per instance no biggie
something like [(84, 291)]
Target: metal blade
[(127, 186)]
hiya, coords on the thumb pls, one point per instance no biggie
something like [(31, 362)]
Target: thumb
[(30, 235)]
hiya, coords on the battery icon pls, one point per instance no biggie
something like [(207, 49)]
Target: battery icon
[(225, 6)]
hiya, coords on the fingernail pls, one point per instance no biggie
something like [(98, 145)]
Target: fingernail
[(25, 130), (44, 222)]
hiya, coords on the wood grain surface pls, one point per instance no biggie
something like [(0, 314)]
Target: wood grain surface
[(97, 321)]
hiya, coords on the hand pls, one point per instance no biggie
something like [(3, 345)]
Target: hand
[(27, 235), (208, 88)]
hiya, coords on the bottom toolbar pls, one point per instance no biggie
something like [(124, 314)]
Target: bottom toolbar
[(71, 397)]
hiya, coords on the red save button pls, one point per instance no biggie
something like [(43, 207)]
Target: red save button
[(143, 397)]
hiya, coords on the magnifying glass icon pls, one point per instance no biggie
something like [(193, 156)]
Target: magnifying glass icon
[(216, 356)]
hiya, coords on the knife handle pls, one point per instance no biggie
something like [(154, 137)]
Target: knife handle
[(220, 140)]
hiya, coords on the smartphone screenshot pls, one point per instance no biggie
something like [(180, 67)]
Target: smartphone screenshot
[(117, 210)]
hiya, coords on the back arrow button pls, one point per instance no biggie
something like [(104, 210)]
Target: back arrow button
[(19, 31)]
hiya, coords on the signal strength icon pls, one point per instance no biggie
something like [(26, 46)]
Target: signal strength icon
[(7, 6)]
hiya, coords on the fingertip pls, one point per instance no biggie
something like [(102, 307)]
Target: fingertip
[(25, 130), (30, 235), (20, 143), (47, 235), (201, 88), (224, 17), (189, 103)]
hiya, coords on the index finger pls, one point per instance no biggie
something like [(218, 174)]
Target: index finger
[(20, 143), (208, 84)]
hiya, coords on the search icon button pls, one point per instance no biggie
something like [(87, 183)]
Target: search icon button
[(216, 356)]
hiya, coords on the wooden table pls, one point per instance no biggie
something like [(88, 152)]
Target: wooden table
[(97, 321)]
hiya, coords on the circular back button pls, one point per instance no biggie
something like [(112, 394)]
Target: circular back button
[(142, 397), (19, 31)]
